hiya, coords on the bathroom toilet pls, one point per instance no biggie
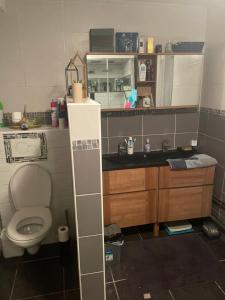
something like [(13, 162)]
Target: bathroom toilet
[(30, 191)]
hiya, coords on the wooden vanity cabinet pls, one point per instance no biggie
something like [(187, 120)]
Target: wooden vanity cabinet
[(130, 196), (156, 194), (185, 194)]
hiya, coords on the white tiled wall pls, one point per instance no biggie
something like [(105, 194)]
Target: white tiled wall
[(37, 38), (59, 165), (214, 72)]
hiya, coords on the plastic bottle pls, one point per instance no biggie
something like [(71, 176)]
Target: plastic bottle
[(142, 71), (54, 113), (1, 114), (130, 145), (147, 147)]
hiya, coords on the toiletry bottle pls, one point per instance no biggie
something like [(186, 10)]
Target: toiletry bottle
[(149, 70), (147, 147), (54, 113), (61, 113), (150, 45), (1, 114), (142, 71), (130, 145), (141, 45)]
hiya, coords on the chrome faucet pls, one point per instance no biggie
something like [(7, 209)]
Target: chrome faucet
[(165, 146)]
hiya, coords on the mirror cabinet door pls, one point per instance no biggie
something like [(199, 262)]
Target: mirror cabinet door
[(179, 80), (110, 79)]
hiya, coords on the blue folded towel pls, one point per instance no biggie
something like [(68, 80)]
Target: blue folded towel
[(195, 161)]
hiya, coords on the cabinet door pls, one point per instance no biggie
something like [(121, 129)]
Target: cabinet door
[(180, 178), (130, 180), (130, 209), (184, 203)]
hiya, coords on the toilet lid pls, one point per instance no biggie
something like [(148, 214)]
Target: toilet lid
[(30, 186), (27, 213)]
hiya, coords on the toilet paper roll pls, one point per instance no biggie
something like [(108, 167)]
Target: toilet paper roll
[(77, 90), (63, 234)]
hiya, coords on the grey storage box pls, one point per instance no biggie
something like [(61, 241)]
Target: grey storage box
[(188, 47), (126, 41), (102, 40)]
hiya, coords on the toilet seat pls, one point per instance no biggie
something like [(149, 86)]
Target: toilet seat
[(42, 213)]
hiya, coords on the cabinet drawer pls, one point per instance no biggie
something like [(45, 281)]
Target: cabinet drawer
[(184, 203), (129, 180), (130, 209), (181, 178)]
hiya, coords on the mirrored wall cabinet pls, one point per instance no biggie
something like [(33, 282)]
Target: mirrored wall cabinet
[(110, 79), (171, 80)]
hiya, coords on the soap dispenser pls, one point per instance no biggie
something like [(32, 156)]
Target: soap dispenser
[(147, 146)]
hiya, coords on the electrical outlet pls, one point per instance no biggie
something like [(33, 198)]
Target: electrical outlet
[(194, 143)]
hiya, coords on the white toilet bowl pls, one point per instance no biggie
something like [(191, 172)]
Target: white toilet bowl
[(30, 193)]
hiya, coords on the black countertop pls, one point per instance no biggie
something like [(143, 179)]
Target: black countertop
[(141, 160)]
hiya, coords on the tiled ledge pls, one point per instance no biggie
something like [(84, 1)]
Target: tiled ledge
[(149, 111), (39, 129)]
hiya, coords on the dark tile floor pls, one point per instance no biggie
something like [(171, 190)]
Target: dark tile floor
[(188, 267), (43, 276), (184, 267)]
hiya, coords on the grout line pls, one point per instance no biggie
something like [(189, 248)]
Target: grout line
[(117, 294), (14, 282), (87, 236), (212, 137), (84, 195), (219, 287), (87, 274), (39, 259), (119, 280), (41, 295), (171, 295), (175, 131)]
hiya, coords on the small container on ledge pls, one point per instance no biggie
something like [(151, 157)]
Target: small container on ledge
[(147, 146)]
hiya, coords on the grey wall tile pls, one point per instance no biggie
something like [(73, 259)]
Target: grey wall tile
[(93, 286), (216, 126), (89, 212), (203, 121), (202, 140), (125, 126), (218, 182), (113, 144), (187, 122), (104, 126), (216, 149), (184, 139), (104, 145), (154, 124), (87, 171), (91, 254), (156, 141)]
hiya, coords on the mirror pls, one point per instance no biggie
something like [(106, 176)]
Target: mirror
[(179, 80), (110, 79)]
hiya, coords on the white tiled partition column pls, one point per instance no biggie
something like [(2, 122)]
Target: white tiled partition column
[(85, 142)]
